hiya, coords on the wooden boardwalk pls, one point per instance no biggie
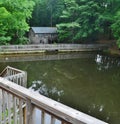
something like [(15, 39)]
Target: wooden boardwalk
[(18, 104)]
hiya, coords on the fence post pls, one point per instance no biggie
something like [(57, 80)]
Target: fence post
[(29, 112)]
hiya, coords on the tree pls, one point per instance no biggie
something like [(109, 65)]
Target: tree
[(18, 12), (47, 13), (109, 9), (85, 20), (82, 20), (4, 15), (116, 28), (39, 15)]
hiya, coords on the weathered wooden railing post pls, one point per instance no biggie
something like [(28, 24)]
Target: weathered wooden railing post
[(0, 106), (52, 120), (21, 111), (9, 108), (24, 116), (29, 112)]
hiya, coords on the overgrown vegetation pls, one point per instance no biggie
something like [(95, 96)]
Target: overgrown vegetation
[(88, 20), (13, 20), (116, 28), (77, 20), (80, 20)]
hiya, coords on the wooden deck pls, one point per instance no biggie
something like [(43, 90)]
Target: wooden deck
[(7, 49), (18, 105)]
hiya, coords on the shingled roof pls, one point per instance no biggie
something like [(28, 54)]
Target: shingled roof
[(44, 30)]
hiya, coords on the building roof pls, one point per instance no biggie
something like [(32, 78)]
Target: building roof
[(44, 30)]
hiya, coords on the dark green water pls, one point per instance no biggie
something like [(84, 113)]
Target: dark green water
[(87, 82)]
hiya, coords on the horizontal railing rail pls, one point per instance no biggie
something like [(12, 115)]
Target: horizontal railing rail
[(50, 111), (8, 71), (45, 47)]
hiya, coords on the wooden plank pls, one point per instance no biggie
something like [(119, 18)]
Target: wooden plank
[(18, 109), (21, 112), (24, 116), (9, 108), (16, 70), (19, 80), (14, 110), (42, 117), (4, 107), (15, 79), (27, 112), (3, 72), (52, 120), (1, 106)]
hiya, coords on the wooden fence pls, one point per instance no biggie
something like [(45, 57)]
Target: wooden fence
[(18, 105), (51, 47), (15, 75)]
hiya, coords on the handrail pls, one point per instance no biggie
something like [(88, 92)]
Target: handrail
[(57, 110), (12, 69), (15, 75)]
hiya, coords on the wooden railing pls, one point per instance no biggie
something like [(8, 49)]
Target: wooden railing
[(49, 47), (18, 105), (15, 75)]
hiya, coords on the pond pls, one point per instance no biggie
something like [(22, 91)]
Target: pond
[(89, 82)]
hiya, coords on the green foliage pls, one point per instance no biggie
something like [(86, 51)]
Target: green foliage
[(93, 18), (13, 22), (66, 30), (82, 20), (116, 28), (22, 40), (47, 13), (4, 15), (77, 20)]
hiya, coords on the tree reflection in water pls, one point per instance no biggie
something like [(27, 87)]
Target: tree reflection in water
[(42, 88), (106, 62)]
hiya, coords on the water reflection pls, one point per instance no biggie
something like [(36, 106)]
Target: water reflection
[(106, 62), (95, 107), (42, 88), (43, 56), (89, 82)]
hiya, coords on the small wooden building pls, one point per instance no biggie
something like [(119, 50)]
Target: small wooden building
[(42, 35)]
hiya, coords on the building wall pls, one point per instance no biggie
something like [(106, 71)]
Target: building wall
[(41, 38)]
